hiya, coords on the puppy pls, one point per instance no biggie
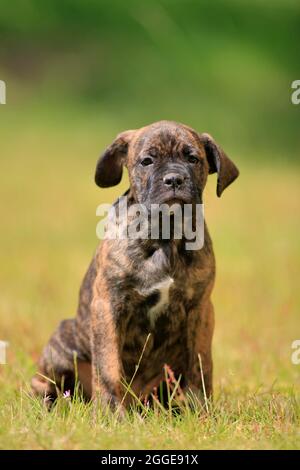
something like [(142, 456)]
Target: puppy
[(144, 300)]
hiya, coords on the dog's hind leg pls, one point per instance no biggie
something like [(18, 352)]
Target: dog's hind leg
[(60, 363)]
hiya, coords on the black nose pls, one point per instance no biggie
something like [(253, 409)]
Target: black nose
[(173, 180)]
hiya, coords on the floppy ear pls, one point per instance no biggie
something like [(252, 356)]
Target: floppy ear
[(219, 162), (109, 167)]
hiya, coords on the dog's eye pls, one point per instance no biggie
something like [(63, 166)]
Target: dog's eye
[(192, 159), (188, 153), (147, 161)]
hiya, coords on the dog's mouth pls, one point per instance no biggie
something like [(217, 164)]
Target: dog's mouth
[(172, 199), (178, 197)]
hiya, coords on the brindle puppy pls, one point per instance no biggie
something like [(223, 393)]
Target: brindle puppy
[(136, 287)]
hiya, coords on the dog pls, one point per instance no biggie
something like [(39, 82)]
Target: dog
[(144, 301)]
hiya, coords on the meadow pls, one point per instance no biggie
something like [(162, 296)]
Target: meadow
[(47, 238)]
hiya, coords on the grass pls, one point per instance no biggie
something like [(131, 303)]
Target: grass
[(47, 239)]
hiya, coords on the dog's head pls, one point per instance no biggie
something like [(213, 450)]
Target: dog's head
[(167, 162)]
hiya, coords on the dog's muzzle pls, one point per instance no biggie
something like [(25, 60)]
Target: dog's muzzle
[(176, 183)]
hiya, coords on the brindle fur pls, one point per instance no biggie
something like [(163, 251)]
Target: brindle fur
[(112, 323)]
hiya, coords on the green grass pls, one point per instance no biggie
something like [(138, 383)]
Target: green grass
[(47, 238)]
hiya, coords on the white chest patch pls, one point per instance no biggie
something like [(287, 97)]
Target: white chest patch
[(163, 287)]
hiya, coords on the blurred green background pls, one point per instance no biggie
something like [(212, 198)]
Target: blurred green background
[(223, 66)]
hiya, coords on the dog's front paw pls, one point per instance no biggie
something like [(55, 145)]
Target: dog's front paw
[(105, 404)]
